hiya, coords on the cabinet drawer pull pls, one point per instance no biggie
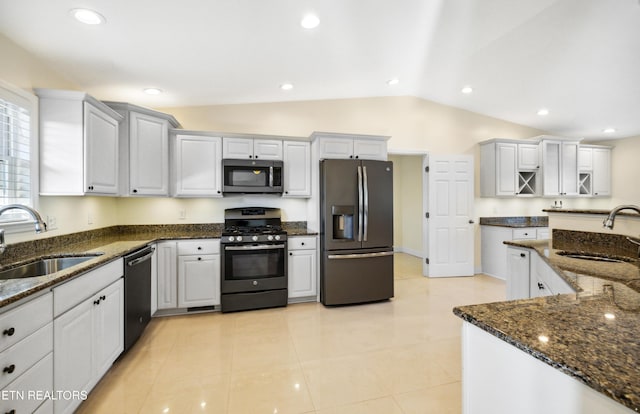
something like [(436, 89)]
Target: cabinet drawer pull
[(9, 332), (199, 248), (10, 412), (96, 302), (103, 297), (9, 369), (199, 258)]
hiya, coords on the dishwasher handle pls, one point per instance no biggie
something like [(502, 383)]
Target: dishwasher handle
[(141, 259)]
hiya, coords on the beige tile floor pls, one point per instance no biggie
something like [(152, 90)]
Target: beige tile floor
[(398, 356)]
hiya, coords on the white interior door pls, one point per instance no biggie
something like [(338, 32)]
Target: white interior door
[(450, 219)]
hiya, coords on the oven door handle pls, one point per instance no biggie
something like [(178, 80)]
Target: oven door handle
[(256, 247)]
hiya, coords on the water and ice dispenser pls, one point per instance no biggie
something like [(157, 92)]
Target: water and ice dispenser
[(342, 222)]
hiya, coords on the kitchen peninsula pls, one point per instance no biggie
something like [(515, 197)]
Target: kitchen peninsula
[(570, 353)]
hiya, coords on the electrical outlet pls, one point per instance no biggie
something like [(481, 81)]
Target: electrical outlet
[(182, 214), (52, 223), (90, 218)]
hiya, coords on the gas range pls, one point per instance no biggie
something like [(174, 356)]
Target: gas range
[(253, 259), (252, 225)]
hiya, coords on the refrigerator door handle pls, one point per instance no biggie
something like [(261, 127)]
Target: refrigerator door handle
[(360, 204), (365, 186), (359, 255)]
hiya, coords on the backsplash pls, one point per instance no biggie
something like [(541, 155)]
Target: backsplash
[(606, 243)]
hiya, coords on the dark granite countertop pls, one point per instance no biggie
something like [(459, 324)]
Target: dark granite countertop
[(587, 211), (112, 243), (582, 342), (515, 222)]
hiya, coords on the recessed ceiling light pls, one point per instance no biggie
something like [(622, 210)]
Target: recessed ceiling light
[(87, 16), (467, 90), (286, 86), (152, 91), (393, 81), (310, 21), (543, 111), (609, 130)]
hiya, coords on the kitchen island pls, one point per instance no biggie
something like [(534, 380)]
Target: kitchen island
[(572, 353)]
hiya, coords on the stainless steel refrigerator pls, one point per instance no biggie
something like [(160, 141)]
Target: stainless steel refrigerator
[(356, 211)]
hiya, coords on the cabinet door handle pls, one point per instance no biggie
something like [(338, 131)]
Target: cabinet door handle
[(290, 254), (96, 302), (9, 369), (540, 286), (11, 412), (103, 297), (135, 190), (199, 248), (523, 255), (9, 332), (255, 156), (199, 258)]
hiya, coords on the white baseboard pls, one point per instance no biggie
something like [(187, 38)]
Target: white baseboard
[(412, 252)]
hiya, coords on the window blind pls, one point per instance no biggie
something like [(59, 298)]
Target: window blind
[(15, 158)]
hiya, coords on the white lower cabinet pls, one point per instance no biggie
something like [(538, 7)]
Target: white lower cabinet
[(88, 331), (302, 268), (518, 275), (530, 276), (494, 251), (198, 280), (26, 347), (167, 273), (188, 273), (545, 281)]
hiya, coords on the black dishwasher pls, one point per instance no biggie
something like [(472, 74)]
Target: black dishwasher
[(137, 294)]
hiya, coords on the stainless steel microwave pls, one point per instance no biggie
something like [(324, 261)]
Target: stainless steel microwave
[(251, 176)]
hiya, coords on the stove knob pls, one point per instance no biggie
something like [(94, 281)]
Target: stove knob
[(269, 237), (277, 237), (239, 238), (231, 238), (254, 238)]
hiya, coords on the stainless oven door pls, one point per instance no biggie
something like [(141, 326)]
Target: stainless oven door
[(253, 267)]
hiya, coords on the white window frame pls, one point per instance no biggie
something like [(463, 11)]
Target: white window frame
[(28, 100)]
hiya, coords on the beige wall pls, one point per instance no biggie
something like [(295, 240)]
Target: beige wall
[(625, 171), (72, 214), (407, 203)]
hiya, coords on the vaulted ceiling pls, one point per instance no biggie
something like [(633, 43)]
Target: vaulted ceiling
[(579, 59)]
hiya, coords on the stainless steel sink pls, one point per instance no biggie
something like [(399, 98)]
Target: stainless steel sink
[(599, 257), (43, 267)]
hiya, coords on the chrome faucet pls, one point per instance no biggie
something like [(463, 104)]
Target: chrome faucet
[(608, 222), (40, 224)]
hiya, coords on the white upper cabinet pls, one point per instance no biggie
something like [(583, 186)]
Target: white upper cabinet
[(144, 138), (249, 148), (148, 155), (79, 144), (594, 170), (347, 146), (196, 165), (528, 157), (509, 168), (560, 167), (297, 169)]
